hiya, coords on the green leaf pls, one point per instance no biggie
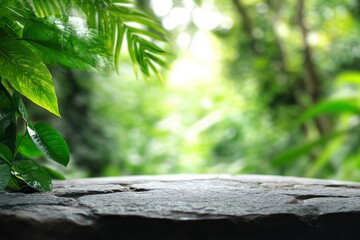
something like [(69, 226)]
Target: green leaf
[(8, 129), (14, 12), (19, 104), (351, 105), (153, 68), (147, 33), (346, 77), (115, 20), (32, 174), (54, 174), (118, 43), (65, 46), (5, 153), (157, 60), (5, 90), (5, 173), (27, 74), (112, 20), (17, 184), (150, 46), (5, 97), (27, 147), (50, 142), (131, 43), (292, 154), (5, 121)]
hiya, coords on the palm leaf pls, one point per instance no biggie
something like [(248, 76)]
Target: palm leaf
[(55, 45), (114, 20), (36, 24)]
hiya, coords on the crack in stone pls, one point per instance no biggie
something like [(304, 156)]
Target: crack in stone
[(186, 215), (312, 196), (343, 186), (76, 195), (134, 189)]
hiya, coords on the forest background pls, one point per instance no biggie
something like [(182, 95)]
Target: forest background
[(253, 87)]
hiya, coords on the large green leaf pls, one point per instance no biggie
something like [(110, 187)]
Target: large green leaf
[(27, 74), (33, 174), (5, 121), (54, 174), (8, 129), (292, 154), (50, 142), (5, 173), (6, 109), (332, 106), (20, 106), (27, 147), (5, 153), (15, 183)]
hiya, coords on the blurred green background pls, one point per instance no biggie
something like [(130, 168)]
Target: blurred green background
[(254, 87)]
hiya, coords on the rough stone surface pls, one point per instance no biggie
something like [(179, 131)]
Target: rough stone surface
[(185, 207)]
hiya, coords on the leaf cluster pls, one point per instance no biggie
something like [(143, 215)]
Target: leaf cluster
[(79, 34), (17, 170)]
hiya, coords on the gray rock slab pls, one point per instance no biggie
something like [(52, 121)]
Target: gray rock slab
[(185, 207)]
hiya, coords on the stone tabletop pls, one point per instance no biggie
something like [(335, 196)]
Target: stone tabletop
[(185, 207)]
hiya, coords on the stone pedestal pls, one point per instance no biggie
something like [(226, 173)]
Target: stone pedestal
[(185, 207)]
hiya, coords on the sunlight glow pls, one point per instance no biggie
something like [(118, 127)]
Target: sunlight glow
[(183, 40), (200, 62), (282, 29), (202, 47), (161, 8), (77, 23), (313, 38), (200, 65), (208, 19), (177, 17), (189, 72)]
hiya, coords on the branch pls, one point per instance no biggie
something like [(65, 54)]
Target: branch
[(246, 22), (277, 39), (313, 82), (282, 58)]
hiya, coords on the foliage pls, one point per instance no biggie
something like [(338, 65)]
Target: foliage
[(84, 35), (291, 106), (300, 59), (264, 87), (342, 139)]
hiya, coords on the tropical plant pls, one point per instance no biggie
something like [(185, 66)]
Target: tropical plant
[(346, 110), (80, 34)]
